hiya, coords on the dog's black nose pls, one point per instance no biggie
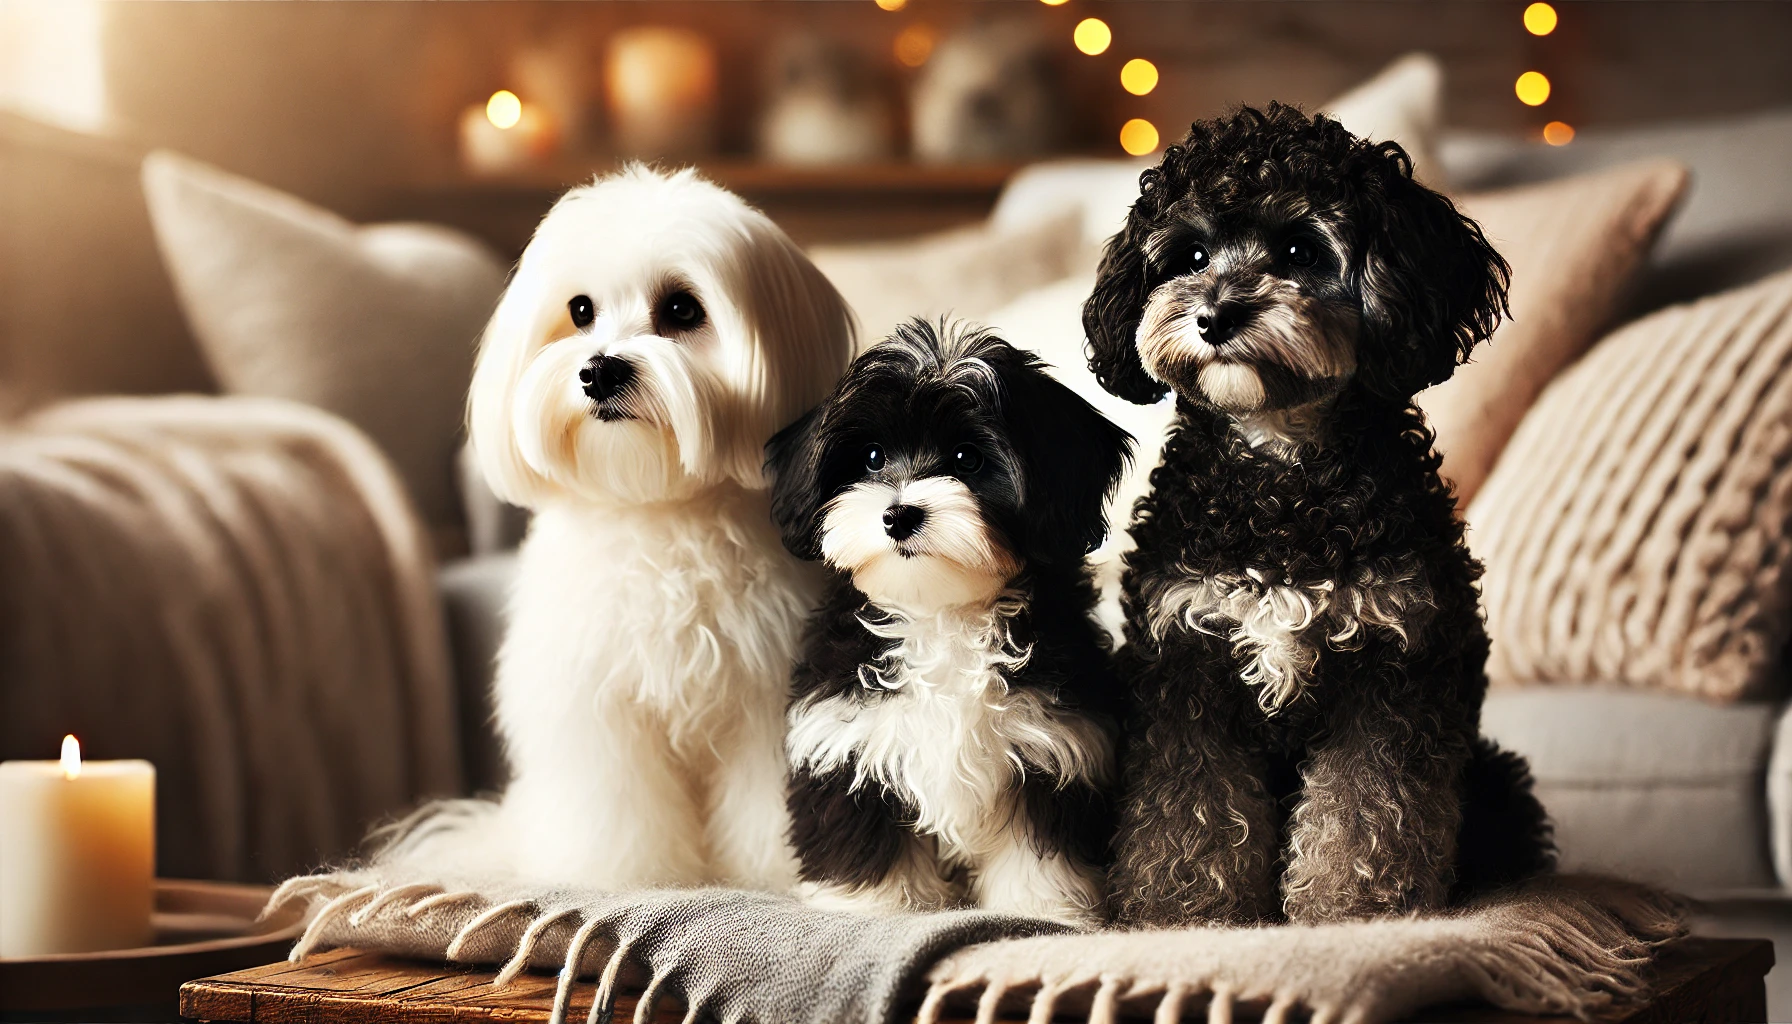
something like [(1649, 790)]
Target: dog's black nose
[(901, 521), (605, 377), (1217, 325)]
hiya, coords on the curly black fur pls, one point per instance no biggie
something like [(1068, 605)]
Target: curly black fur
[(1370, 790), (1046, 462)]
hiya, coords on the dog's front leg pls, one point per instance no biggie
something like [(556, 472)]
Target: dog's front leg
[(748, 822), (605, 803), (1375, 830), (1036, 859), (1197, 840), (855, 850)]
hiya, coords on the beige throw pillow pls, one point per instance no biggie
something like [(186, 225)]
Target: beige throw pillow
[(376, 324), (1638, 528), (1402, 103), (1574, 245), (967, 272), (85, 306)]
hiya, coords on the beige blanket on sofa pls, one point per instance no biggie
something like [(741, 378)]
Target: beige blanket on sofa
[(238, 590)]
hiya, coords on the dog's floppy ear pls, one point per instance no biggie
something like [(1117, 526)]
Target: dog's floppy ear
[(793, 462), (1432, 285), (1073, 459), (1112, 314)]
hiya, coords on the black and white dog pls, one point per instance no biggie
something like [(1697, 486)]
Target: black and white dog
[(951, 727), (1304, 647)]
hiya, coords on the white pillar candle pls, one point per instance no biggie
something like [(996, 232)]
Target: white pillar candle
[(77, 854)]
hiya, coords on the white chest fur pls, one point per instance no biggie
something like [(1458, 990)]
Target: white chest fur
[(687, 608), (941, 728), (1277, 628)]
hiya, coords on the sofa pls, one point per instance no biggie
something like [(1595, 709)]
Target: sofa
[(1689, 792)]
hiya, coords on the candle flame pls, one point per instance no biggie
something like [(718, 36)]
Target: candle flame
[(71, 757), (504, 110)]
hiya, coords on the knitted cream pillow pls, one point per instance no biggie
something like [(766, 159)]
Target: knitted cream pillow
[(375, 323), (1574, 245), (1638, 528), (964, 272)]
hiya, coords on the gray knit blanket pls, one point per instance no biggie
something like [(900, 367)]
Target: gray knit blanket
[(1562, 945), (238, 590)]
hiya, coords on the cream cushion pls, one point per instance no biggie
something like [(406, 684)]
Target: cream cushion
[(1403, 103), (964, 273), (1400, 104), (1638, 528), (376, 324), (85, 306), (1659, 787), (1574, 245)]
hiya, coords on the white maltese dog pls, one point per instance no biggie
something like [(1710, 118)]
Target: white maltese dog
[(657, 332)]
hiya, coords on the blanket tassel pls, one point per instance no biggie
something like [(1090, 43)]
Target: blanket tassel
[(930, 1005), (1045, 1002), (603, 1006), (1219, 1008), (650, 998), (389, 897), (1169, 1006), (569, 972), (473, 927), (989, 1004), (441, 899), (1278, 1011), (525, 946), (314, 932), (300, 887)]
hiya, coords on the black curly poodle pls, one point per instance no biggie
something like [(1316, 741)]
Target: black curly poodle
[(1304, 648)]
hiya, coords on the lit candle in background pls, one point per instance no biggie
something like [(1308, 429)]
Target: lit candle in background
[(504, 134), (661, 87), (77, 854)]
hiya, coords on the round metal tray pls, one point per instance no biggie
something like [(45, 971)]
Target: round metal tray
[(202, 928)]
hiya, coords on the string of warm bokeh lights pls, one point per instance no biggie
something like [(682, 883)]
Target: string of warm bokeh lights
[(1092, 36), (1533, 87), (914, 44), (1138, 76)]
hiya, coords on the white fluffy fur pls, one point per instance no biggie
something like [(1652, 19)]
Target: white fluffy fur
[(949, 737), (953, 559), (641, 687), (1276, 627)]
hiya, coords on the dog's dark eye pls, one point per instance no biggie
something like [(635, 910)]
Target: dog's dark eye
[(874, 458), (583, 311), (1197, 258), (680, 311), (966, 459), (1301, 252)]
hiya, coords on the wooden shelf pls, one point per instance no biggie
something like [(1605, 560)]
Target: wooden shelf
[(814, 204)]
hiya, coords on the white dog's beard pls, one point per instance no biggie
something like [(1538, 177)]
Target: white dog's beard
[(666, 444), (953, 559)]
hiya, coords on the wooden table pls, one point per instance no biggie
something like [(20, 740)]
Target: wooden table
[(1697, 981)]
